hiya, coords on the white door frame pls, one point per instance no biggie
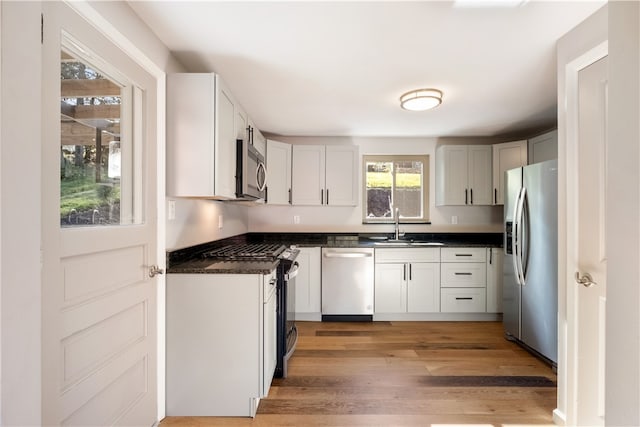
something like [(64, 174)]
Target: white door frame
[(567, 268), (88, 12)]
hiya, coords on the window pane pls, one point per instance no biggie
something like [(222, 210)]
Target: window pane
[(408, 189), (396, 181), (90, 151), (379, 184)]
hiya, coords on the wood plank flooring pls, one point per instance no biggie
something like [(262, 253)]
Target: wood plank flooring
[(403, 374)]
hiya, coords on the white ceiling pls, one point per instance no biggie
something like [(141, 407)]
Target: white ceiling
[(338, 68)]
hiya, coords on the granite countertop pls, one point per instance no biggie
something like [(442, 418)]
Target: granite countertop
[(191, 260)]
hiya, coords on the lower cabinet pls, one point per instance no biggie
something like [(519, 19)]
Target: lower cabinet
[(464, 280), (308, 291), (220, 343), (407, 280)]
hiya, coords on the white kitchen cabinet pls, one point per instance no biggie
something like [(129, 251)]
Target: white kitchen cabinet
[(506, 156), (308, 291), (543, 147), (495, 260), (325, 175), (463, 175), (463, 280), (407, 280), (278, 173), (220, 343), (258, 140), (203, 122)]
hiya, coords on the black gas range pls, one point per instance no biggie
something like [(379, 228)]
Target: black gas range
[(287, 333)]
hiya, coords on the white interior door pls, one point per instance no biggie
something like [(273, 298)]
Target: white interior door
[(591, 265), (99, 228)]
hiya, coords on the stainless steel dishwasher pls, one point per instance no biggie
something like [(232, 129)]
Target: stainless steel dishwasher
[(347, 284)]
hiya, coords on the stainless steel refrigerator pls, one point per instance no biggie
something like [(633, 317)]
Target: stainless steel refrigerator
[(530, 294)]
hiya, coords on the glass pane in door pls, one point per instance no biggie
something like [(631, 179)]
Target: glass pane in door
[(92, 155), (408, 189)]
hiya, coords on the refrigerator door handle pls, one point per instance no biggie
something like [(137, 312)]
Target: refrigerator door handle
[(519, 235)]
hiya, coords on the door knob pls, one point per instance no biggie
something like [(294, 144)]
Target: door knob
[(586, 280), (154, 270)]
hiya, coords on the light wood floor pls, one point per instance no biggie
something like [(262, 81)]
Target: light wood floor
[(404, 374)]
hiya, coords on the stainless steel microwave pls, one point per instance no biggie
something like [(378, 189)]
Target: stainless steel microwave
[(251, 172)]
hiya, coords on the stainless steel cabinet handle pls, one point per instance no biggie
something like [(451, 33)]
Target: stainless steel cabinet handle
[(327, 196), (347, 255), (290, 200), (465, 197), (410, 278), (495, 196), (586, 280), (322, 196), (404, 272), (462, 274), (471, 192), (464, 254), (464, 298), (154, 270)]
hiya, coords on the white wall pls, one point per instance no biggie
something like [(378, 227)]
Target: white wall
[(622, 406), (324, 218), (20, 222), (196, 221)]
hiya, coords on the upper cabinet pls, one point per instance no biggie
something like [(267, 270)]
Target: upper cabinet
[(279, 168), (506, 156), (203, 122), (463, 175), (325, 175), (543, 147)]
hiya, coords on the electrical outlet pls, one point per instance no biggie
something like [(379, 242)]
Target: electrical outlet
[(454, 219), (296, 219), (220, 221)]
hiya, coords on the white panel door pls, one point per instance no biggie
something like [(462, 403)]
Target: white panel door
[(591, 264), (480, 175), (308, 291), (390, 288), (99, 322), (452, 175), (423, 289)]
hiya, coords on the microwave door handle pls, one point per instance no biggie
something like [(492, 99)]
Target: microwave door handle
[(263, 174)]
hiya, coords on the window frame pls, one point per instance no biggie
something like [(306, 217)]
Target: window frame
[(425, 183)]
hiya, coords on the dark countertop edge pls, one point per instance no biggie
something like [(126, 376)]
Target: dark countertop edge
[(189, 260)]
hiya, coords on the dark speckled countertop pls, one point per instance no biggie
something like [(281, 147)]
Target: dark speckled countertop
[(191, 260)]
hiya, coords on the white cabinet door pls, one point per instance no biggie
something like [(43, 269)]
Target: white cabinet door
[(278, 173), (308, 291), (325, 175), (423, 290), (190, 140), (451, 175), (495, 259), (391, 288), (270, 336), (463, 175), (225, 142), (480, 176), (341, 175), (543, 147), (308, 169), (506, 156), (203, 123)]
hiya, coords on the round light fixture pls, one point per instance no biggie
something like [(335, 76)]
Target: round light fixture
[(421, 99)]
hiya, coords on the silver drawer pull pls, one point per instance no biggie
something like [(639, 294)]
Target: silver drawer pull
[(464, 298), (462, 274), (464, 254)]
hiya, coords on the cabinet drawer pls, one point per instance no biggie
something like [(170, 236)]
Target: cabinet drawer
[(408, 255), (464, 254), (462, 300), (463, 275)]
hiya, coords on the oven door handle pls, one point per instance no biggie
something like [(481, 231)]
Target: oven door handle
[(293, 272)]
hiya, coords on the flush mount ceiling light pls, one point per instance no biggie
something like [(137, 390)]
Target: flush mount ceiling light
[(421, 99)]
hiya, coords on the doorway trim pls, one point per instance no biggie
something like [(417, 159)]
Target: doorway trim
[(567, 366)]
